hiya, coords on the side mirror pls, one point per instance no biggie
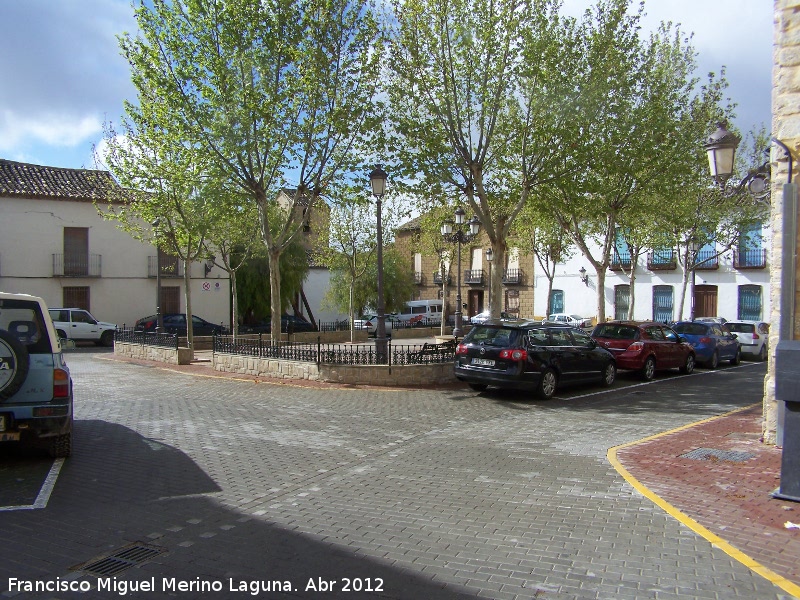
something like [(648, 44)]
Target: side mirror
[(592, 343)]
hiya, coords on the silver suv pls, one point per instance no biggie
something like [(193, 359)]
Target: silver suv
[(35, 382), (78, 325)]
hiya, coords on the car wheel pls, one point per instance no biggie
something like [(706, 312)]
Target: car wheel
[(688, 366), (61, 445), (714, 362), (14, 363), (737, 357), (547, 384), (478, 387), (762, 354), (609, 374), (649, 369), (107, 339)]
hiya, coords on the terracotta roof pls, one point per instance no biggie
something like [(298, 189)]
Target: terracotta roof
[(23, 180), (412, 225)]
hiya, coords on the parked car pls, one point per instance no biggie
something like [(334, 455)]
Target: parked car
[(718, 320), (753, 336), (711, 342), (526, 355), (646, 347), (565, 319), (176, 323), (289, 324), (77, 324), (370, 323), (36, 395), (484, 316)]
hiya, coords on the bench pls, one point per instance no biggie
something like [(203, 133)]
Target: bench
[(430, 349)]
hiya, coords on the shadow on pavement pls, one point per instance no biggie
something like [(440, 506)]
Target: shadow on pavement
[(120, 487)]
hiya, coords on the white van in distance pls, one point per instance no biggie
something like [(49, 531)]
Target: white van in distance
[(422, 311)]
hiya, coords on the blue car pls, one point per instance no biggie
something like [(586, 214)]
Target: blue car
[(712, 342)]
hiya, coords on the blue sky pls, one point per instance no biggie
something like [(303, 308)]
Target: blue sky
[(62, 75)]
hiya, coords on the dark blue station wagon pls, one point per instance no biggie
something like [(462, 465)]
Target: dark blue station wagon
[(526, 355)]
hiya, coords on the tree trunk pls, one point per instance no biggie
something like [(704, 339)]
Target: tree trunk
[(275, 293), (601, 295), (234, 308), (187, 287)]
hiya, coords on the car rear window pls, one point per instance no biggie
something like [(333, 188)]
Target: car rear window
[(691, 328), (491, 336), (23, 320), (616, 332), (741, 327)]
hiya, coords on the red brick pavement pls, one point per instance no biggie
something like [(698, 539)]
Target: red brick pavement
[(730, 499)]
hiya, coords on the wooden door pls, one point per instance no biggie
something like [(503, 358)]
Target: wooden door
[(705, 301)]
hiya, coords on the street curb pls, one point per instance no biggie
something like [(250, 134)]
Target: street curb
[(778, 580)]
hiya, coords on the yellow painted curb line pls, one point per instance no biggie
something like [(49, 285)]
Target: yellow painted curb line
[(778, 580)]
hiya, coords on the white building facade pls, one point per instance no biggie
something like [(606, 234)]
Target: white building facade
[(734, 284), (55, 244)]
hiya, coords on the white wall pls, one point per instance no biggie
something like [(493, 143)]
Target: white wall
[(32, 230), (582, 299)]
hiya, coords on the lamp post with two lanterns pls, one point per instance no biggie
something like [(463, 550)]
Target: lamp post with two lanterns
[(459, 236)]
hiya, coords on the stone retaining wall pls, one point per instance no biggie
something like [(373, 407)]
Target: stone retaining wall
[(384, 375), (181, 356)]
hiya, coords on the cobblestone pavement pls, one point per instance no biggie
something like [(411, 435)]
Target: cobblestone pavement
[(399, 493)]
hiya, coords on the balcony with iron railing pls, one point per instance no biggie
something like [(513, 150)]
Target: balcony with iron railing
[(662, 260), (750, 259), (706, 260), (620, 262), (77, 265), (473, 276), (437, 278), (170, 267), (512, 276)]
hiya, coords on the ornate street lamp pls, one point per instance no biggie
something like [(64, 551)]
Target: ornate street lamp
[(721, 149), (377, 179), (459, 236)]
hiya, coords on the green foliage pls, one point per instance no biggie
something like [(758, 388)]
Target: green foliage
[(254, 300), (271, 95), (398, 284)]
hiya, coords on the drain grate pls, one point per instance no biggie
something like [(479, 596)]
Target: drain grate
[(713, 454), (121, 560)]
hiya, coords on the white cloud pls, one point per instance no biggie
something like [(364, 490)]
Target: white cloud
[(51, 129)]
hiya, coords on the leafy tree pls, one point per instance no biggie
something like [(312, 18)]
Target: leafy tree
[(255, 302), (274, 95), (352, 245), (477, 98), (162, 198), (633, 143)]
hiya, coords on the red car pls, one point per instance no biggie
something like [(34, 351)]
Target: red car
[(645, 347)]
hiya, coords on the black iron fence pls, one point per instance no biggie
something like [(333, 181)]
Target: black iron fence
[(147, 338), (337, 354)]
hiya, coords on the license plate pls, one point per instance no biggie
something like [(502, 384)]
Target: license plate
[(484, 362), (9, 437)]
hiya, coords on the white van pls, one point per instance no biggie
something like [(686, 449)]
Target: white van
[(425, 311)]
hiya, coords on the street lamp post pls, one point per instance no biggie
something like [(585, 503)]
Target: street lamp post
[(159, 316), (693, 249), (721, 147), (489, 259), (377, 179), (459, 236)]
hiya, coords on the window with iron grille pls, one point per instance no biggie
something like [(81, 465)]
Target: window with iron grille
[(749, 302), (622, 302), (512, 302), (662, 303)]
